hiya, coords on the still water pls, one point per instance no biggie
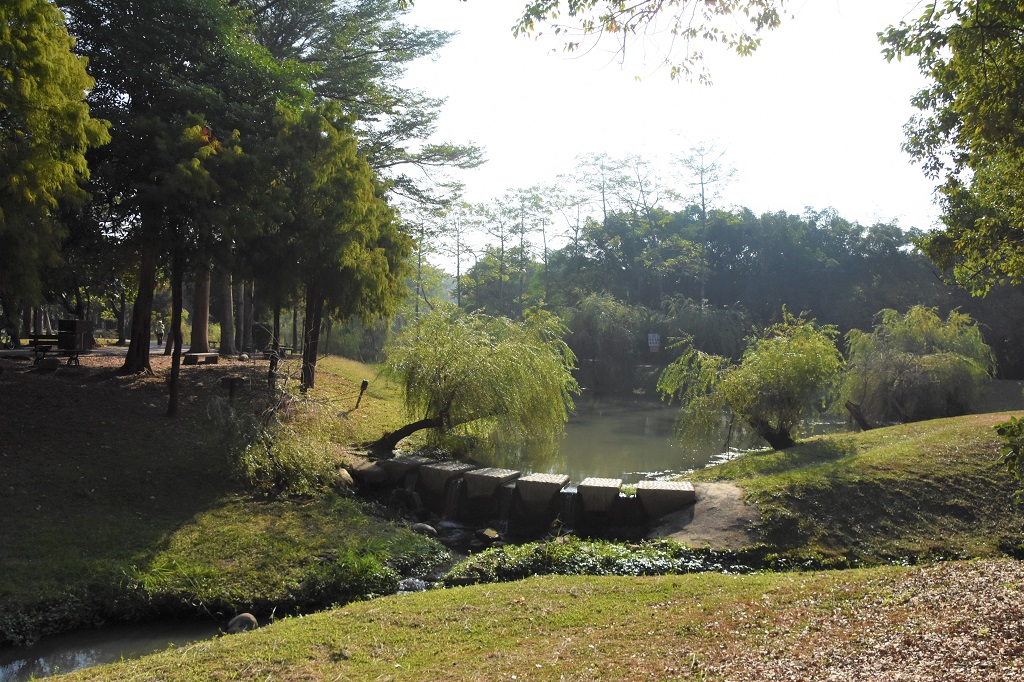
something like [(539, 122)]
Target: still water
[(65, 653), (635, 441)]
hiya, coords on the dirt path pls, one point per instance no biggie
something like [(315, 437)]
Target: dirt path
[(719, 519)]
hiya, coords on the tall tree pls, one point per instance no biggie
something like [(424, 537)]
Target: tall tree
[(970, 134), (358, 51), (45, 131), (706, 173), (156, 63), (352, 254)]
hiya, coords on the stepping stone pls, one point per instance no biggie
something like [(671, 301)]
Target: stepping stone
[(483, 482), (435, 476), (398, 467), (537, 490), (598, 494), (368, 472), (664, 497)]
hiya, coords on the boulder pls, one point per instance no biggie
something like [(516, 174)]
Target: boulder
[(241, 623), (424, 529)]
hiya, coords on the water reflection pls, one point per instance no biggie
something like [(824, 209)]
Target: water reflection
[(66, 653), (636, 441)]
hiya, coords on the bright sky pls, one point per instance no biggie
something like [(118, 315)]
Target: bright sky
[(814, 118)]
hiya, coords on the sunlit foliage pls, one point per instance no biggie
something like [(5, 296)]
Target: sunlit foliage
[(917, 366), (486, 380), (785, 375)]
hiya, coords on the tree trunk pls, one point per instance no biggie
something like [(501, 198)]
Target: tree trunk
[(200, 341), (858, 416), (248, 302), (177, 275), (311, 333), (389, 441), (227, 313), (238, 299), (295, 327), (276, 339), (137, 358), (778, 439), (119, 314)]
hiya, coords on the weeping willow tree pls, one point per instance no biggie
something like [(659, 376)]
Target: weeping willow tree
[(483, 380), (917, 366), (786, 374)]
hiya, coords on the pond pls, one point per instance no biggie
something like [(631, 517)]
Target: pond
[(636, 440), (65, 653)]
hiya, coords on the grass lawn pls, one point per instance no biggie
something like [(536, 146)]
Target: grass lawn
[(951, 621), (112, 510), (931, 489)]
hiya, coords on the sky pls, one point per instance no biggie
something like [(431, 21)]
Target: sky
[(814, 118)]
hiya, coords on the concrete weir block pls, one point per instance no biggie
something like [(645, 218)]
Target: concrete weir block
[(398, 467), (483, 482), (368, 472), (537, 490), (664, 497), (598, 494), (434, 477)]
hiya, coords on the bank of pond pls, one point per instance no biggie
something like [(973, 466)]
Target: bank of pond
[(914, 493)]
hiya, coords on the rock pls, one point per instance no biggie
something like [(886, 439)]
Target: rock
[(244, 357), (344, 478), (424, 529), (488, 535), (241, 623), (412, 585)]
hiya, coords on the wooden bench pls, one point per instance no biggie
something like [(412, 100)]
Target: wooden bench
[(196, 358)]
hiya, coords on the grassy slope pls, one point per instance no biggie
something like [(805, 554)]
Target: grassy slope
[(101, 492), (931, 489), (953, 621)]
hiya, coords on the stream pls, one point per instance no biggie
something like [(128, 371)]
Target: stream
[(84, 648)]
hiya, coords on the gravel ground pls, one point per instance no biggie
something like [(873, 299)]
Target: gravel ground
[(949, 621)]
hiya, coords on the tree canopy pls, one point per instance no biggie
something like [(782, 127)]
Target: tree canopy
[(969, 134), (687, 25), (917, 366), (45, 131)]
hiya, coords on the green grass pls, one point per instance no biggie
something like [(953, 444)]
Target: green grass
[(112, 511), (924, 490), (540, 628)]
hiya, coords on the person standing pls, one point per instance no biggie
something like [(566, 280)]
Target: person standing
[(159, 332)]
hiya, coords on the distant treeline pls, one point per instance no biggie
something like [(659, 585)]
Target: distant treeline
[(715, 279)]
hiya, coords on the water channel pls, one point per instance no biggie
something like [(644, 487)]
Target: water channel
[(69, 652)]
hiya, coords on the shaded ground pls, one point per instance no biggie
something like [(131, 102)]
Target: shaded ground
[(90, 456), (720, 519)]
